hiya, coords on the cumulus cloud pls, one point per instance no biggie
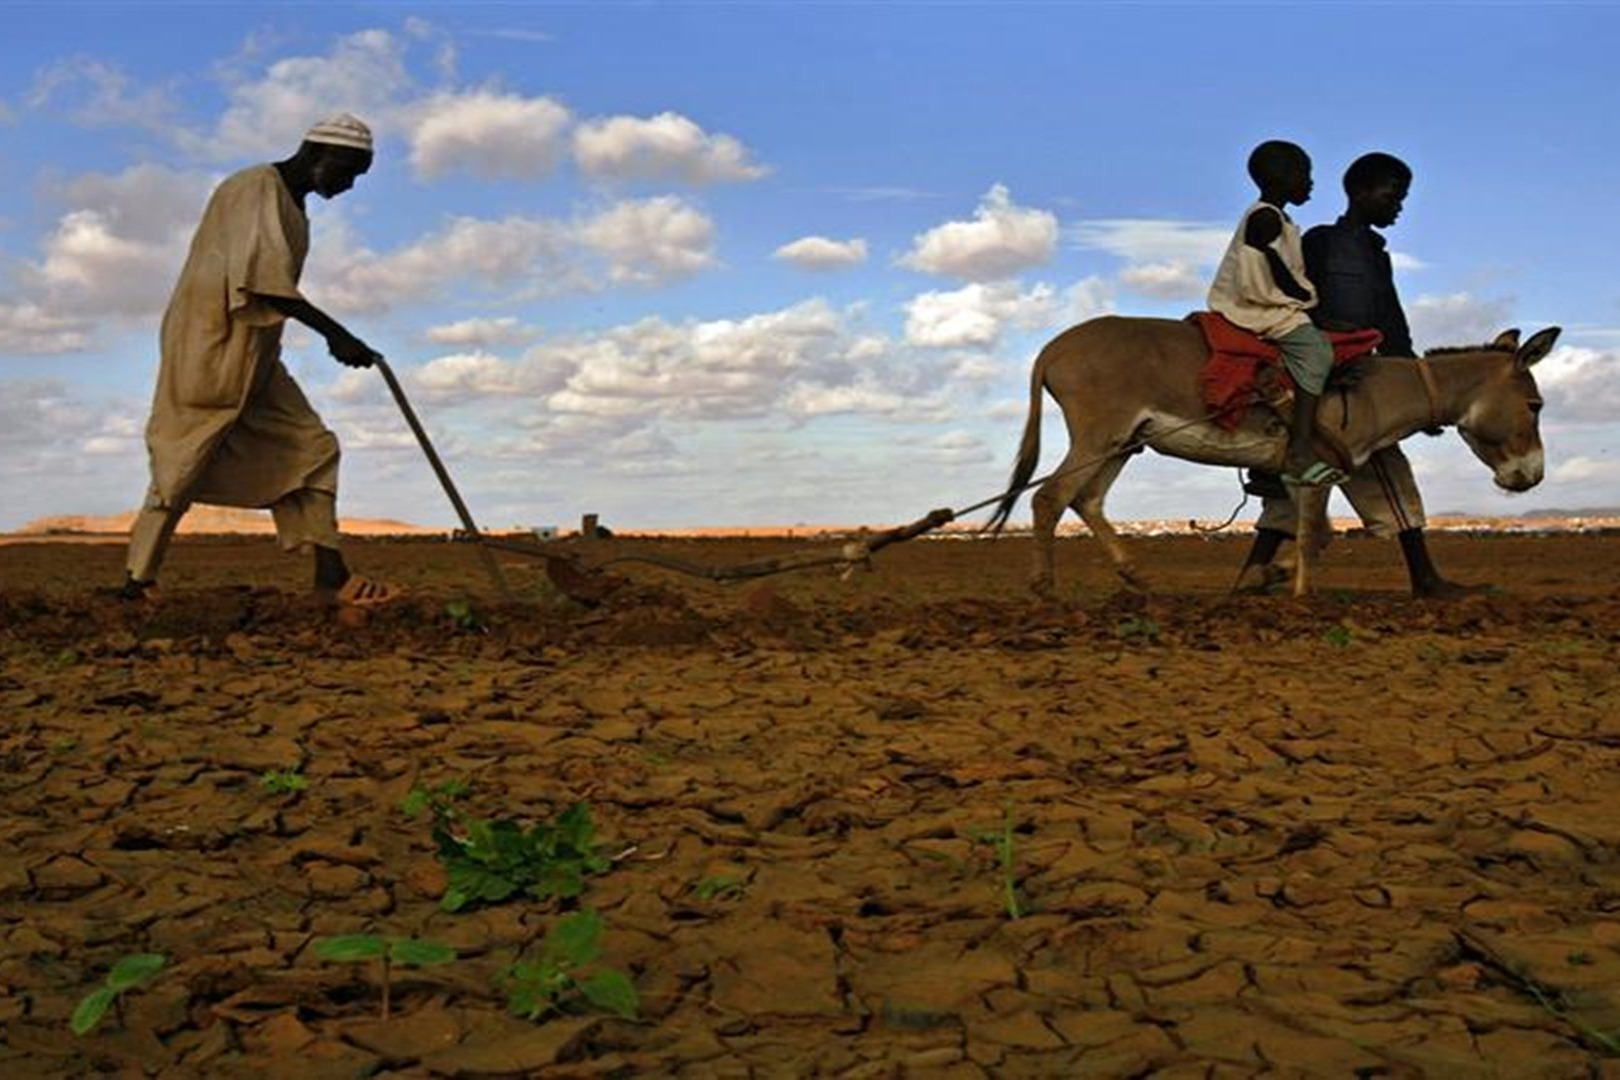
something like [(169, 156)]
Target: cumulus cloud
[(485, 333), (664, 147), (651, 241), (975, 315), (1457, 319), (1581, 385), (488, 134), (364, 73), (1001, 240), (514, 253), (820, 253)]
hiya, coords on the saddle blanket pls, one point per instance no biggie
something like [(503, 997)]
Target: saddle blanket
[(1231, 379)]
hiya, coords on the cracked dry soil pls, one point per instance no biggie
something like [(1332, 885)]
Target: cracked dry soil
[(1356, 836)]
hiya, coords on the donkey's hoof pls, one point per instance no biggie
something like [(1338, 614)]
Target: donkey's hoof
[(1043, 588), (1135, 580)]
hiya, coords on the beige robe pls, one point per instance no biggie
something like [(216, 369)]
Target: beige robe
[(228, 425)]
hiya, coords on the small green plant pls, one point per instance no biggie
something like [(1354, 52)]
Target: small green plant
[(1339, 637), (1138, 628), (490, 860), (463, 617), (440, 798), (283, 781), (406, 952), (718, 887), (1579, 957), (128, 974), (65, 745), (559, 979), (1004, 841)]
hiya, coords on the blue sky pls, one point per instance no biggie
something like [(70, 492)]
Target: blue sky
[(729, 264)]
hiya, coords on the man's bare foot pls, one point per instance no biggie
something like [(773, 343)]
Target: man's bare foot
[(364, 592)]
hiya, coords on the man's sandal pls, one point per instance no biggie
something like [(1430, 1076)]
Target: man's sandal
[(364, 592), (1317, 474)]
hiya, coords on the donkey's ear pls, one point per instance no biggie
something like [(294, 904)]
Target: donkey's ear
[(1507, 339), (1539, 345)]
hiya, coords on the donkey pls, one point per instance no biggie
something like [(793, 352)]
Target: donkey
[(1129, 383)]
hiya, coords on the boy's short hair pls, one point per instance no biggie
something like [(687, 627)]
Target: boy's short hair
[(1272, 157), (1370, 170)]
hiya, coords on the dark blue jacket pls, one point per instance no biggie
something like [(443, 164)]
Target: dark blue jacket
[(1355, 284)]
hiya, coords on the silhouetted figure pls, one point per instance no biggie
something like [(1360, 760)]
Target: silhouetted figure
[(1355, 286), (229, 426), (1262, 286)]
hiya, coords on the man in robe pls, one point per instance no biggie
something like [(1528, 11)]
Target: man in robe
[(229, 426)]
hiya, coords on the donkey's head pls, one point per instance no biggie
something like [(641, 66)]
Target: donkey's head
[(1500, 423)]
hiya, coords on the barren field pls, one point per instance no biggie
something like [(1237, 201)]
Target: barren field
[(909, 824)]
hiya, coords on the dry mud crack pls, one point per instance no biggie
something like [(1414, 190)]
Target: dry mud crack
[(1358, 836)]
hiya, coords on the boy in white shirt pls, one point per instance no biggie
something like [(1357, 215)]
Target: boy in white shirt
[(1261, 286)]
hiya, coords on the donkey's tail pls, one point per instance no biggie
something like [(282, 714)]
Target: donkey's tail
[(1029, 449)]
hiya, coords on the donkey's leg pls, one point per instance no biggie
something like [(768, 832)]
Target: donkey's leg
[(1048, 505), (1088, 503)]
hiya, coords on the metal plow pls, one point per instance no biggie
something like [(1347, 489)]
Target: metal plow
[(589, 586)]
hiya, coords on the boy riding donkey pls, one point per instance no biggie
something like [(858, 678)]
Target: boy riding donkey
[(229, 426), (1355, 282), (1261, 286)]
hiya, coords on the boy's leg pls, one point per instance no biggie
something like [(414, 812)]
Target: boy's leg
[(1386, 497), (1308, 357)]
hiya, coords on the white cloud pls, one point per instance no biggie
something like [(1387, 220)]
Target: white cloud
[(1456, 319), (512, 253), (1586, 470), (821, 253), (462, 375), (1166, 280), (664, 147), (101, 95), (488, 134), (1002, 239), (486, 333), (651, 241), (1155, 241), (1581, 385), (975, 315), (28, 329), (364, 74)]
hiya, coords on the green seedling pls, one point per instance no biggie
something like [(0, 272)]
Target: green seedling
[(65, 745), (1138, 628), (439, 798), (1338, 636), (463, 617), (559, 979), (128, 974), (406, 952), (488, 861), (718, 887), (283, 781), (1004, 841)]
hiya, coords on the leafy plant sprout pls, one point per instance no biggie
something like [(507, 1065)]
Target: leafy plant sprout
[(1004, 841), (406, 952), (283, 781), (558, 978), (128, 974)]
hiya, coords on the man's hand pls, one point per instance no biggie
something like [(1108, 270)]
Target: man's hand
[(350, 351)]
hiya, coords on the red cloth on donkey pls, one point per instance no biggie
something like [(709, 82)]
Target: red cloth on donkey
[(1231, 375)]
